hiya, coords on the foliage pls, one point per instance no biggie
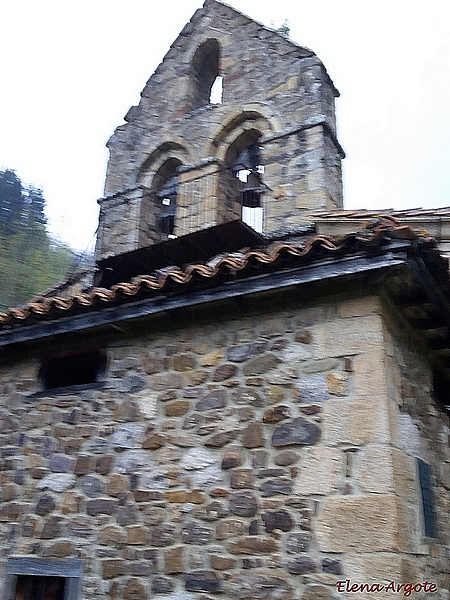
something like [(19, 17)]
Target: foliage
[(30, 261), (285, 29)]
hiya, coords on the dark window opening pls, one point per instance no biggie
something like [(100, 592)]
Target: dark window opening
[(428, 503), (248, 170), (204, 73), (73, 369), (441, 390), (165, 189), (30, 578), (35, 587), (167, 197)]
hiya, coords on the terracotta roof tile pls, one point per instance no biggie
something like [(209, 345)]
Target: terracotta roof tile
[(234, 263)]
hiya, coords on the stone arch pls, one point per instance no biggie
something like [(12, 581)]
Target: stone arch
[(243, 138), (253, 116), (204, 71), (176, 149), (236, 143), (166, 171)]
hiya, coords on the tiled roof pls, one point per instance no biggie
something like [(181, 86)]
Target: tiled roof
[(232, 264)]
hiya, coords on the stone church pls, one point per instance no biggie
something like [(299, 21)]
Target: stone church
[(250, 401)]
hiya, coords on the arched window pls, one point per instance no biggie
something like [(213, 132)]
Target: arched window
[(205, 74), (165, 189), (248, 170), (244, 162)]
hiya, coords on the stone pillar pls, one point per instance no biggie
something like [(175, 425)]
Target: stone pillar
[(203, 200), (119, 222), (302, 169), (373, 518)]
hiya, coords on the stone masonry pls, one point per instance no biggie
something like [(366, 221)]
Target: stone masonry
[(268, 426), (275, 94), (266, 456)]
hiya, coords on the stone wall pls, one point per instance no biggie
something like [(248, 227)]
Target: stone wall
[(419, 429), (275, 92), (244, 456)]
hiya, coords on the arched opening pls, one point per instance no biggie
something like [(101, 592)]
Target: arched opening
[(164, 190), (245, 168), (175, 148), (238, 121), (205, 73)]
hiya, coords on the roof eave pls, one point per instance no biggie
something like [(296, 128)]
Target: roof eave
[(331, 269)]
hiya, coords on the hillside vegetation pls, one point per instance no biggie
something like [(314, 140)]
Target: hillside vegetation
[(30, 260)]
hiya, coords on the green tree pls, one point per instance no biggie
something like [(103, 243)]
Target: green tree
[(11, 202), (34, 207), (285, 29), (30, 260)]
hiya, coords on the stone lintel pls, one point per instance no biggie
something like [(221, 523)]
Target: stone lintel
[(199, 164), (198, 171), (130, 194)]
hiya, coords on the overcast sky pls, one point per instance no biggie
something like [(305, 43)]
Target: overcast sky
[(71, 69)]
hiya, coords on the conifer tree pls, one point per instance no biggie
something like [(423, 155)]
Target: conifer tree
[(30, 260)]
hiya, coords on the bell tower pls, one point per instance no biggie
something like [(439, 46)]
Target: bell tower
[(263, 152)]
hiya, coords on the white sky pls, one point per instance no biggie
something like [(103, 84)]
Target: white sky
[(69, 71)]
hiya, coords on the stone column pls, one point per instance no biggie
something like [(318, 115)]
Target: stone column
[(302, 169), (203, 200), (119, 223)]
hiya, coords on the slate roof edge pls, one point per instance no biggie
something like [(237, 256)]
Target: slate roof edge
[(364, 213)]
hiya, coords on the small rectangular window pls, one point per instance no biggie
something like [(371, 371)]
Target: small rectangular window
[(37, 587), (428, 503), (73, 370), (41, 579)]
